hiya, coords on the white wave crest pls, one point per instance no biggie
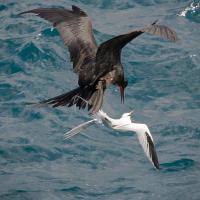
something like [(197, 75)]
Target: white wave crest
[(191, 8)]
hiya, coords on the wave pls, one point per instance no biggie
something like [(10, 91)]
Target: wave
[(192, 8), (178, 165)]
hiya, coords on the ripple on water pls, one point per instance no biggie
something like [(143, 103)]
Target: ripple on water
[(73, 189), (9, 66), (34, 52), (50, 32), (178, 165), (28, 153), (8, 92), (31, 52), (3, 7)]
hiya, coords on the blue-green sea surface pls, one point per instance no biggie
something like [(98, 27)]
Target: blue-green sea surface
[(163, 90)]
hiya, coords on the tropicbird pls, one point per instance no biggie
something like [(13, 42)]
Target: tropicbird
[(123, 124)]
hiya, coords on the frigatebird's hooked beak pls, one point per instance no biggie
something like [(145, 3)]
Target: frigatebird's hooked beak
[(122, 93)]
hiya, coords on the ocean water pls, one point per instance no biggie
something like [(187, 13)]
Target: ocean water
[(164, 91)]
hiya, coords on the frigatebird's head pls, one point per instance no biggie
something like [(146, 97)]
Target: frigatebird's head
[(122, 87)]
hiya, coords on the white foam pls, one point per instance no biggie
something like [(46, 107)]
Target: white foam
[(192, 7), (193, 55), (38, 36)]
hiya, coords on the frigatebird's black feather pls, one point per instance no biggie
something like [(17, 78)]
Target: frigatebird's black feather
[(75, 28), (110, 51), (97, 67)]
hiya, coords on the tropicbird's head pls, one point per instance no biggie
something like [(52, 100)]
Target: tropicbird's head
[(125, 115)]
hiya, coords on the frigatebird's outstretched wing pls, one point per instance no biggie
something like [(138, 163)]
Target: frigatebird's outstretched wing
[(110, 51), (75, 28)]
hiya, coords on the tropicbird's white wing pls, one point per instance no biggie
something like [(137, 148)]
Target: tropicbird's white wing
[(146, 141), (79, 128)]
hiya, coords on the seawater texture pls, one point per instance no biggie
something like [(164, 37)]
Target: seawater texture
[(164, 91)]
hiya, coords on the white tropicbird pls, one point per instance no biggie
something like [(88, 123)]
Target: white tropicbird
[(122, 124)]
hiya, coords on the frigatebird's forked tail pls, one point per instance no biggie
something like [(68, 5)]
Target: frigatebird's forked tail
[(81, 97)]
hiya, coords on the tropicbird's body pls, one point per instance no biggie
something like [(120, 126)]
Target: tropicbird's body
[(122, 124)]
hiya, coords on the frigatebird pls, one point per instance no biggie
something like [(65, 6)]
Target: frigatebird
[(97, 66)]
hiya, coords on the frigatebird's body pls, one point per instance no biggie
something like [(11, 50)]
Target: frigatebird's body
[(96, 66)]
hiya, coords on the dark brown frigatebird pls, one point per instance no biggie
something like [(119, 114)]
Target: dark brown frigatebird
[(97, 66)]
